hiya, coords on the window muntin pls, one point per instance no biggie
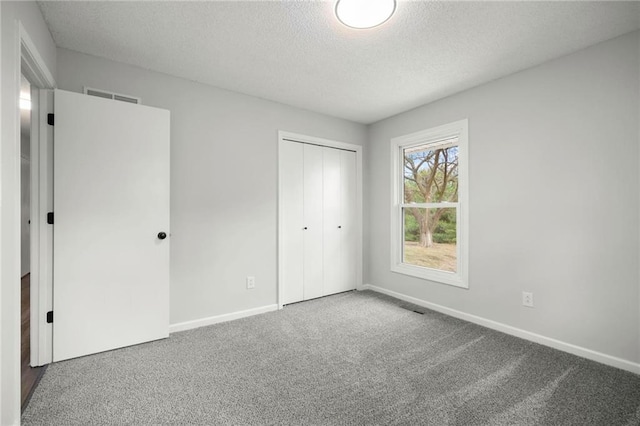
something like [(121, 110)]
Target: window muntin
[(428, 224)]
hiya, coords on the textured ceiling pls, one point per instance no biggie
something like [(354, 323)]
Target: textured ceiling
[(297, 53)]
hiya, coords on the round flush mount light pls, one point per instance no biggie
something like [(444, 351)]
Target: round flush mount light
[(363, 14)]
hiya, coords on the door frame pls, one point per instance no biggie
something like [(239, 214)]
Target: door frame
[(41, 258), (24, 58), (296, 137)]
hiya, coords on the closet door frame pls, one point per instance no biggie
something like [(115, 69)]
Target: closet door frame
[(284, 136)]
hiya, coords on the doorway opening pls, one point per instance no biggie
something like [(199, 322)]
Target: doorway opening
[(29, 376)]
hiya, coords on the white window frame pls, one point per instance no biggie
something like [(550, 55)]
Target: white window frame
[(457, 129)]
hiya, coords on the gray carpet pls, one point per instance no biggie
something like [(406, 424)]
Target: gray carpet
[(356, 358)]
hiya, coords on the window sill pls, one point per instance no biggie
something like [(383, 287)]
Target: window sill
[(449, 278)]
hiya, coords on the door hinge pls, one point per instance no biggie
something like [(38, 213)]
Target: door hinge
[(50, 218), (49, 317), (50, 119)]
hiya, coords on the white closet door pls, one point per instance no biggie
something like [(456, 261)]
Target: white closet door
[(313, 181), (348, 221), (292, 214), (332, 197)]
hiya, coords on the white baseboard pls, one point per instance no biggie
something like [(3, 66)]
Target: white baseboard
[(188, 325), (523, 334)]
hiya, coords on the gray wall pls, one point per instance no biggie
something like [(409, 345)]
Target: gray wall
[(224, 163), (554, 191)]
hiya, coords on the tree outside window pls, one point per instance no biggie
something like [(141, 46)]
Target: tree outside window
[(431, 177)]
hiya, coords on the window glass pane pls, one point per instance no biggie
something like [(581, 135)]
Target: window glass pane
[(430, 238), (431, 173)]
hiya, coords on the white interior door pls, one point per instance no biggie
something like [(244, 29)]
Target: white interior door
[(313, 268), (292, 221), (348, 222), (332, 196), (339, 176), (111, 202)]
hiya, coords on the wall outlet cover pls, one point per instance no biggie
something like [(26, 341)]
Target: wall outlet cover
[(251, 282)]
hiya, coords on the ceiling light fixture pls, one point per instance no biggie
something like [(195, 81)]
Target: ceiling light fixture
[(363, 14)]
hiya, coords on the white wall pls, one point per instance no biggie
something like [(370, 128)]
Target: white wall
[(25, 185), (28, 14), (223, 180), (3, 345), (554, 193), (25, 212)]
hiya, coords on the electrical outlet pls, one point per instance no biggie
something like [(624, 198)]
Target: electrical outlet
[(251, 282), (527, 299)]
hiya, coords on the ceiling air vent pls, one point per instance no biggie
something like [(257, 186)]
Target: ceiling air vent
[(110, 95)]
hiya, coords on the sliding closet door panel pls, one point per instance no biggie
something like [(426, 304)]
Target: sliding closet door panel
[(349, 222), (292, 234), (312, 221), (332, 197)]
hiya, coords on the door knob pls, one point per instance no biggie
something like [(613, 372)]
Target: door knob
[(162, 235)]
